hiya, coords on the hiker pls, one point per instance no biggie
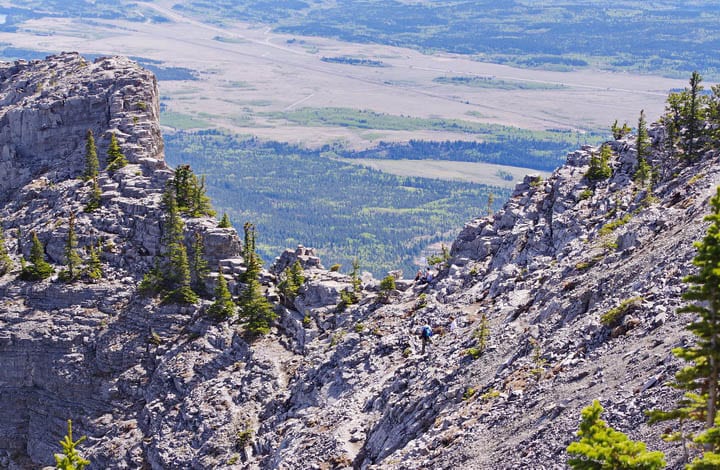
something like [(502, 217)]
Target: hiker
[(418, 275), (428, 275), (425, 334)]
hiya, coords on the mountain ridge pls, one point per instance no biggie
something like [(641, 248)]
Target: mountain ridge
[(157, 385)]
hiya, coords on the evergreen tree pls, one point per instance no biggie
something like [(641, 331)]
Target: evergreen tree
[(92, 165), (201, 202), (601, 447), (643, 139), (176, 275), (643, 170), (387, 285), (39, 268), (198, 266), (95, 197), (291, 280), (225, 221), (72, 258), (352, 296), (599, 166), (93, 268), (184, 183), (256, 313), (673, 119), (713, 116), (700, 379), (693, 116), (223, 307), (490, 201), (70, 459), (115, 157), (6, 263)]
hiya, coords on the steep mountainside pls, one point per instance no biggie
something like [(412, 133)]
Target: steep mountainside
[(164, 386)]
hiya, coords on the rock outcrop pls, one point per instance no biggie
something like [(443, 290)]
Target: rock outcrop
[(336, 384)]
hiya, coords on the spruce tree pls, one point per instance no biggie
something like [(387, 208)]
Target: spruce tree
[(223, 307), (39, 268), (643, 170), (602, 447), (92, 165), (672, 119), (176, 274), (200, 201), (700, 378), (693, 116), (198, 266), (6, 263), (291, 280), (225, 221), (256, 313), (599, 167), (93, 268), (95, 197), (70, 458), (184, 183), (115, 157), (72, 258)]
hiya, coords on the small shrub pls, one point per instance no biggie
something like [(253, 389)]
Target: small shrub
[(142, 105), (609, 227), (307, 320), (335, 267), (359, 328), (614, 315), (243, 437), (586, 194), (337, 338), (407, 352), (490, 394), (469, 393), (536, 182), (473, 352), (233, 460), (421, 301)]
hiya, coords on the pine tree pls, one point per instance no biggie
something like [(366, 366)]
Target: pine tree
[(256, 313), (200, 201), (700, 379), (225, 221), (223, 307), (599, 166), (39, 268), (643, 139), (713, 116), (95, 197), (184, 183), (176, 275), (693, 116), (198, 266), (70, 459), (92, 165), (291, 280), (672, 119), (6, 263), (115, 157), (93, 268), (72, 258), (602, 447)]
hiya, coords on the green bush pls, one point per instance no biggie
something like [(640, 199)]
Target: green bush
[(614, 315)]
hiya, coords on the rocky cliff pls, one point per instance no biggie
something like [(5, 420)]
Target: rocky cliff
[(163, 386)]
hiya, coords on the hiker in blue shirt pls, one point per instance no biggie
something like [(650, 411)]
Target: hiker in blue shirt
[(425, 334)]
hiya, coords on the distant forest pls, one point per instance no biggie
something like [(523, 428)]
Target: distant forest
[(298, 196)]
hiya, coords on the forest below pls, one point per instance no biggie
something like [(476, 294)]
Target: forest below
[(296, 195), (300, 196)]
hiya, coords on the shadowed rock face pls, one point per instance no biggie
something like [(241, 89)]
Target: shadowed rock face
[(163, 386)]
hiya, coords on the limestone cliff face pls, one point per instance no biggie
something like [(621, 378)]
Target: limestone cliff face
[(83, 351), (161, 386)]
